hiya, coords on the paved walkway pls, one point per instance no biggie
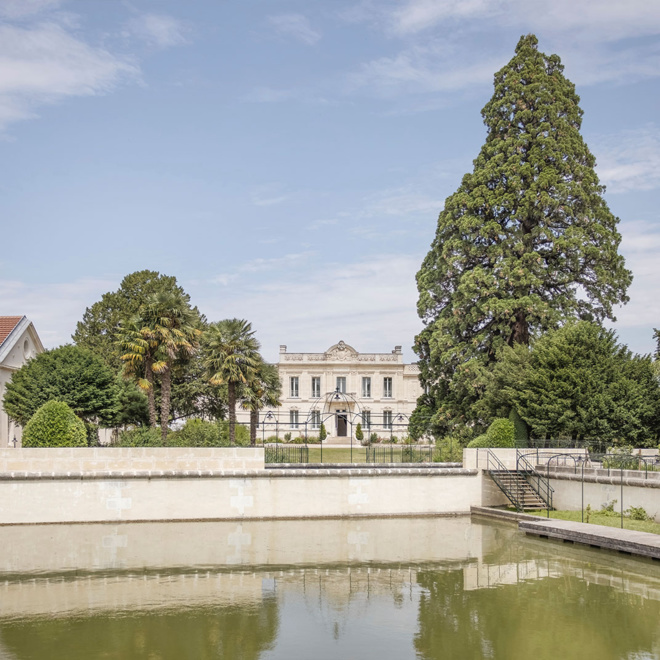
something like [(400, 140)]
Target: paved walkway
[(623, 540), (628, 541)]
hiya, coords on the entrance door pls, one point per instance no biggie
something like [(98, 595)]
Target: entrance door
[(342, 425)]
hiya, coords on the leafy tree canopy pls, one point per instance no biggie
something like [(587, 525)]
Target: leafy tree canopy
[(71, 374), (579, 382), (100, 323), (525, 243)]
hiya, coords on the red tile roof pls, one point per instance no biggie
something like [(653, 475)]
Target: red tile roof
[(7, 324)]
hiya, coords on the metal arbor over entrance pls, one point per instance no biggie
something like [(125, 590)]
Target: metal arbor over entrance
[(343, 408)]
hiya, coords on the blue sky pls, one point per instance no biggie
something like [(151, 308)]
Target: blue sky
[(287, 160)]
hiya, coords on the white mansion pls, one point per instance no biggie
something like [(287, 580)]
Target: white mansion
[(341, 388)]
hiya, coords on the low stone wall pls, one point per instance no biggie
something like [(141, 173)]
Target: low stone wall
[(153, 484), (86, 460), (600, 488)]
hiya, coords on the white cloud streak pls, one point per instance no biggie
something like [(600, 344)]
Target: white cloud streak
[(159, 30), (45, 63), (369, 304), (295, 26), (630, 160), (641, 245), (54, 308)]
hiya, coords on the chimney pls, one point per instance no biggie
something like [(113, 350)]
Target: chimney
[(282, 348)]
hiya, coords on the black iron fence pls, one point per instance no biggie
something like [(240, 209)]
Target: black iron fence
[(286, 454), (399, 454)]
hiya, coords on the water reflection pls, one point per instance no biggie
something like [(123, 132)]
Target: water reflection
[(395, 588)]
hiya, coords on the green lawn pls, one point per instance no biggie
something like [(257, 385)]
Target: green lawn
[(337, 455), (607, 519)]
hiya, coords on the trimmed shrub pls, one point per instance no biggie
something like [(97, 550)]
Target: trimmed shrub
[(448, 450), (323, 434), (480, 442), (501, 433), (55, 425), (521, 433), (242, 434), (359, 434), (196, 433), (374, 438), (273, 439), (142, 436)]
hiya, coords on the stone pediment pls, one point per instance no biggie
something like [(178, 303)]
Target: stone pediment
[(341, 352)]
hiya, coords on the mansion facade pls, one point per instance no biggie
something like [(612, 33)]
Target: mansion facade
[(340, 388)]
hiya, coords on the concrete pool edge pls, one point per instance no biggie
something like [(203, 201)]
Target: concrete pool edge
[(625, 541)]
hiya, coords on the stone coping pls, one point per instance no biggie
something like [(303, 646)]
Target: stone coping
[(345, 466), (628, 541), (600, 476), (234, 474)]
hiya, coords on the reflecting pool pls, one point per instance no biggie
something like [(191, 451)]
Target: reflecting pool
[(429, 588)]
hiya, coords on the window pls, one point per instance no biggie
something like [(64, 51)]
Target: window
[(366, 420), (293, 419), (387, 418), (366, 387), (294, 387), (387, 387), (316, 387), (341, 384), (316, 419)]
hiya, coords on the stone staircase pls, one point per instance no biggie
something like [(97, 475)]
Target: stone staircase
[(517, 489)]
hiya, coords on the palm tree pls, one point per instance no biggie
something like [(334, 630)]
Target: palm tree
[(138, 354), (165, 330), (264, 390), (232, 357), (173, 327)]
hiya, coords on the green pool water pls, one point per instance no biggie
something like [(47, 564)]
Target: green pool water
[(436, 588)]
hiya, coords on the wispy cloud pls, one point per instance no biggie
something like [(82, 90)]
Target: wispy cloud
[(54, 308), (438, 55), (23, 8), (159, 30), (46, 63), (370, 304), (295, 26), (640, 245), (630, 160), (595, 19), (420, 69)]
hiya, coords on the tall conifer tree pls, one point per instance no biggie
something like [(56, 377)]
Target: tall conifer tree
[(526, 242)]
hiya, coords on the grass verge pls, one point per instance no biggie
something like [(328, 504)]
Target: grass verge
[(600, 518)]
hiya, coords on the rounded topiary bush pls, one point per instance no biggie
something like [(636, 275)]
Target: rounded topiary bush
[(501, 433), (480, 442), (55, 425)]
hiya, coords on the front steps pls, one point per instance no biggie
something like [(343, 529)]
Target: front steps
[(517, 489)]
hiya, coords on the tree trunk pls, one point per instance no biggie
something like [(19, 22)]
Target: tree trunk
[(520, 330), (231, 400), (151, 397), (254, 420), (165, 397)]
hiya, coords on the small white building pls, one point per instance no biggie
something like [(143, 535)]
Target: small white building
[(19, 342), (340, 388)]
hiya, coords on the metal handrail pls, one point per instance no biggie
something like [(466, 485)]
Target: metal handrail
[(514, 498), (542, 483)]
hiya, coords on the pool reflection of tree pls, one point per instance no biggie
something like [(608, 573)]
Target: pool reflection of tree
[(562, 617), (239, 632)]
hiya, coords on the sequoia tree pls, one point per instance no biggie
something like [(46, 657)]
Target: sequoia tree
[(525, 243)]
